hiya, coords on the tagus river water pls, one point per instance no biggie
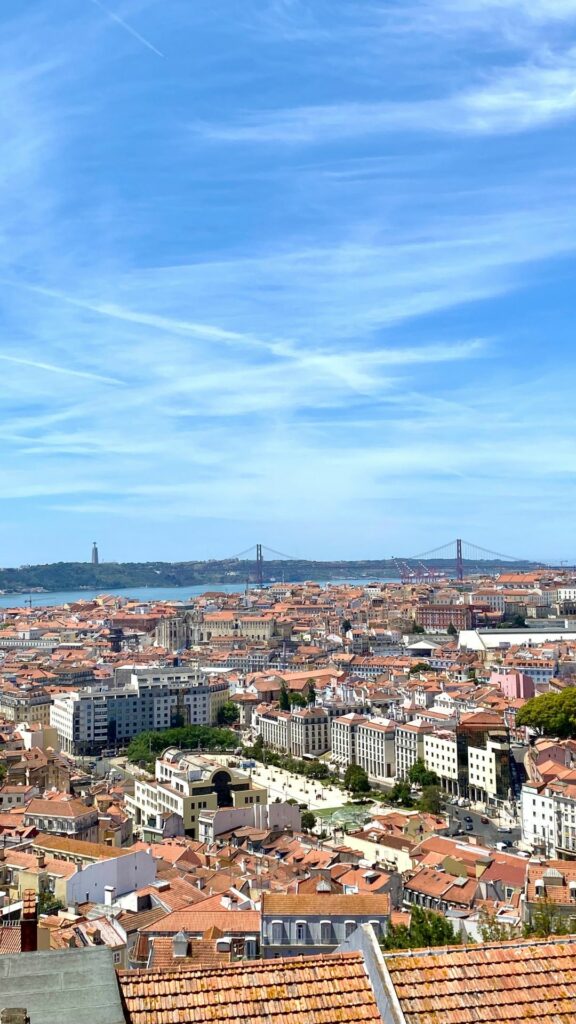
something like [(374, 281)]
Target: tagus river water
[(146, 594)]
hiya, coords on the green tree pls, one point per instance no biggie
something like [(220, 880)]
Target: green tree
[(48, 904), (228, 713), (431, 800), (420, 666), (547, 920), (356, 780), (3, 771), (420, 775), (284, 697), (400, 794), (552, 714), (308, 820), (346, 626), (518, 622), (416, 627), (296, 699), (147, 745), (426, 929), (452, 631), (258, 748), (493, 930), (311, 691)]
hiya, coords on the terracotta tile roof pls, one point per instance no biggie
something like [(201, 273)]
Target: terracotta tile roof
[(59, 808), (332, 904), (331, 989), (88, 851), (194, 921), (201, 953), (505, 983), (9, 939)]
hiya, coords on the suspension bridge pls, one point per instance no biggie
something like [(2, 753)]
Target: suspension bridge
[(454, 560)]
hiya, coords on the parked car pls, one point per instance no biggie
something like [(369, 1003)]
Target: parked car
[(469, 826), (468, 817), (485, 821), (504, 828)]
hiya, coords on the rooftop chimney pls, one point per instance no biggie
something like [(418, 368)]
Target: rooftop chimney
[(41, 858), (109, 894), (29, 923)]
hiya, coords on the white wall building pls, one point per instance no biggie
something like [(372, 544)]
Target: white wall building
[(440, 756), (549, 819), (87, 721)]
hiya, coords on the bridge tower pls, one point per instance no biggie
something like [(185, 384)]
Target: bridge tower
[(259, 566), (459, 561)]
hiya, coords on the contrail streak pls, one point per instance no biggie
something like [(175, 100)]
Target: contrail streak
[(60, 369), (125, 25)]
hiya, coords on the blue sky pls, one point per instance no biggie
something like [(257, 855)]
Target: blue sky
[(290, 271)]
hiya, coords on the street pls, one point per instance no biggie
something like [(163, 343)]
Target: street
[(486, 833)]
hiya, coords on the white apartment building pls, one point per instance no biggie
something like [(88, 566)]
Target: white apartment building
[(302, 732), (548, 815), (345, 738), (274, 726), (483, 770), (187, 784), (89, 720), (441, 756), (376, 749), (410, 745), (310, 732)]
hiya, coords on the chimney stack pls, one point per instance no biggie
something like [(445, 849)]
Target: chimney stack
[(41, 858), (109, 894), (29, 923)]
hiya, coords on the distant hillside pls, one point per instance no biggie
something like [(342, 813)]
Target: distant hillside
[(110, 576)]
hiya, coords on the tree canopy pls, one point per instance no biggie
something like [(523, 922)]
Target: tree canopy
[(147, 745), (426, 929), (356, 780), (400, 794), (228, 713), (431, 799), (308, 820), (552, 714), (420, 775)]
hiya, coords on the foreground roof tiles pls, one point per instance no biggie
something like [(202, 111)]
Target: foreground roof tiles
[(506, 983), (330, 989)]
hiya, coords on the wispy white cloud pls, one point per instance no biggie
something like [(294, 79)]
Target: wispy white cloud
[(513, 99)]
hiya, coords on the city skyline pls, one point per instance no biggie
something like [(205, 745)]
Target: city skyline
[(296, 272)]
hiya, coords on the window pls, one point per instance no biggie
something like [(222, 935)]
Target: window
[(117, 958), (277, 933), (376, 927), (326, 932), (300, 931), (349, 928)]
